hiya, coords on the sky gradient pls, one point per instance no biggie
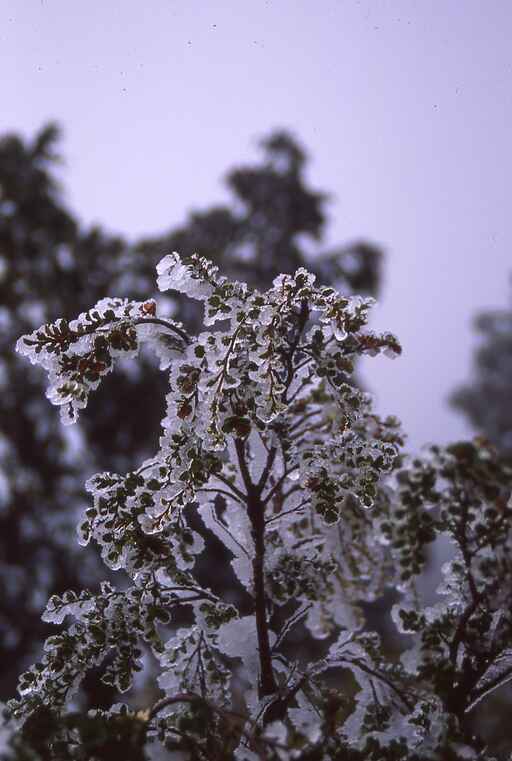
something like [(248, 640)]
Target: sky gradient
[(405, 108)]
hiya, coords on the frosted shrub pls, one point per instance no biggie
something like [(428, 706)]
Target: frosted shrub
[(266, 438)]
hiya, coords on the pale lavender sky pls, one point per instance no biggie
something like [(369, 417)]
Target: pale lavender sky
[(404, 106)]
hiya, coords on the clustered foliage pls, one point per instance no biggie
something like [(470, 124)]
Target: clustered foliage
[(486, 399), (267, 439), (52, 265)]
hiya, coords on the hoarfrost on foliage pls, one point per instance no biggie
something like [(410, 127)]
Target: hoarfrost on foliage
[(268, 439)]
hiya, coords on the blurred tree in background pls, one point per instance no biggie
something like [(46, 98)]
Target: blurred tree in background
[(51, 267), (45, 259), (487, 399)]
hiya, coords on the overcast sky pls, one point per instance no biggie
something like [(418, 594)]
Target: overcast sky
[(404, 106)]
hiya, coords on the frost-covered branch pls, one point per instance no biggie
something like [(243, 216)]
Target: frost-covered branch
[(268, 445)]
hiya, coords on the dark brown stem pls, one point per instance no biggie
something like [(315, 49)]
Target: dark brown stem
[(241, 496), (137, 321), (267, 681), (256, 513), (158, 321), (266, 471)]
